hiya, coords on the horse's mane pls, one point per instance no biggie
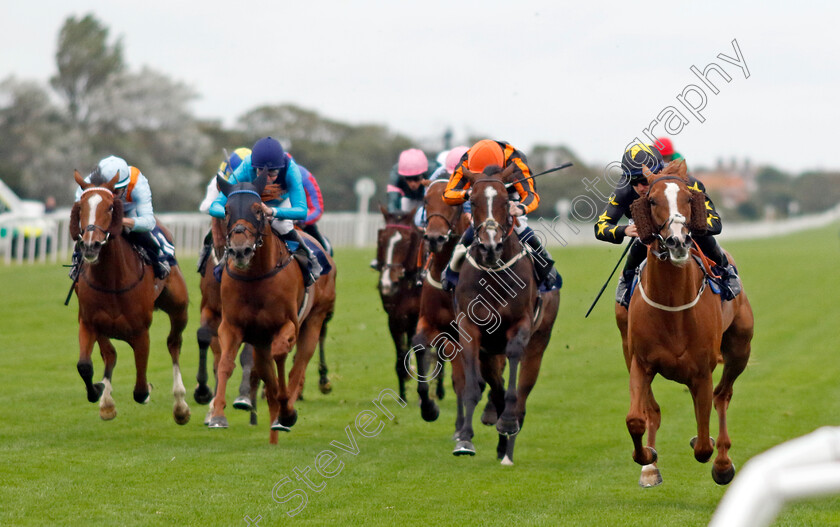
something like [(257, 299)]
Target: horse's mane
[(97, 178)]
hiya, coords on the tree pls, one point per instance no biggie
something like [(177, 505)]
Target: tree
[(85, 62)]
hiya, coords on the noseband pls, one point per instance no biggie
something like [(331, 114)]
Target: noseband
[(92, 227), (239, 229), (678, 218), (491, 223)]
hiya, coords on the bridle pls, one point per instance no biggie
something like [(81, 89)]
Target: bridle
[(450, 222), (93, 227), (676, 218), (240, 228), (402, 270), (491, 223)]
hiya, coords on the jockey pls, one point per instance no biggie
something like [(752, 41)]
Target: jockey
[(448, 160), (522, 196), (139, 216), (405, 183), (608, 230), (226, 168), (666, 148), (284, 198)]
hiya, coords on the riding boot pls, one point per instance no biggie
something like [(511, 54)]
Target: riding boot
[(547, 275), (730, 282), (155, 256), (203, 257), (309, 265), (625, 283), (449, 277)]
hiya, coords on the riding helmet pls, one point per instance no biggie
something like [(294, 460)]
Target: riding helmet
[(268, 153), (412, 162), (109, 166), (638, 156), (483, 154), (229, 165)]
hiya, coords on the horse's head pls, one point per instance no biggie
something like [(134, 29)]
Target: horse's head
[(397, 249), (670, 213), (244, 219), (443, 220), (491, 218), (96, 216)]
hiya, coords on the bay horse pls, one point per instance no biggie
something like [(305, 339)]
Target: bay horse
[(264, 302), (677, 327), (445, 225), (117, 294), (399, 254), (502, 315)]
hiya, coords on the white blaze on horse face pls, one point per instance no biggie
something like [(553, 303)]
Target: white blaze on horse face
[(676, 220), (490, 193), (389, 259), (93, 202)]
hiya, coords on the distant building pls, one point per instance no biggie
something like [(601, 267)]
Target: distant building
[(729, 184)]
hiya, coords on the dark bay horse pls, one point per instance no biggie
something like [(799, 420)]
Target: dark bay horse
[(264, 302), (117, 294), (400, 253), (677, 327), (501, 314), (445, 226)]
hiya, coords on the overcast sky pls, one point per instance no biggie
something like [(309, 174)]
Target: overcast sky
[(591, 75)]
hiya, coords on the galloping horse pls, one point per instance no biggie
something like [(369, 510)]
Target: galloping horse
[(207, 333), (117, 294), (445, 226), (399, 253), (265, 303), (501, 314), (677, 327)]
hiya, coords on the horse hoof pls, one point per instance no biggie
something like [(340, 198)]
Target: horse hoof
[(277, 425), (507, 462), (464, 448), (325, 386), (107, 413), (653, 457), (507, 428), (243, 403), (489, 416), (288, 420), (182, 415), (650, 476), (429, 412), (218, 422), (723, 478), (202, 394), (253, 419), (94, 394)]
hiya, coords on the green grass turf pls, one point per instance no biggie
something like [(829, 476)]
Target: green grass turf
[(61, 465)]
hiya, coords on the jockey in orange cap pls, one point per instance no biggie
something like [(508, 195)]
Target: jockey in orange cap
[(523, 199)]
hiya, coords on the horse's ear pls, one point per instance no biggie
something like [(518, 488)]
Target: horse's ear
[(80, 180), (383, 210), (75, 217), (113, 183), (468, 174), (224, 186), (643, 219), (426, 182), (260, 183), (697, 224), (116, 218), (682, 168), (507, 173)]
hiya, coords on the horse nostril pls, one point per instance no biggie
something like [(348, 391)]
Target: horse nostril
[(247, 252), (498, 247), (97, 244), (441, 239)]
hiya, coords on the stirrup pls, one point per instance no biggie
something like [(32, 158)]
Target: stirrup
[(161, 269)]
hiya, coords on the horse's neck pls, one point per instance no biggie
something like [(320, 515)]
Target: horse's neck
[(441, 258), (118, 264), (511, 247), (669, 284), (269, 254)]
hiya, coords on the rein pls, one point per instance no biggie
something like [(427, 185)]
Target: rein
[(117, 291)]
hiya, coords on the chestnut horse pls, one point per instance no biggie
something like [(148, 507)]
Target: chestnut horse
[(399, 255), (677, 327), (501, 314), (264, 302), (445, 226), (117, 294)]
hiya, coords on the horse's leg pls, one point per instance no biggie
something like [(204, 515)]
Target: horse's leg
[(246, 360), (650, 476), (701, 392), (429, 410), (107, 407), (472, 391), (175, 305), (492, 371), (255, 385), (281, 346), (265, 368), (458, 387), (324, 381), (518, 337), (440, 390), (216, 347), (230, 338), (621, 322), (636, 421), (204, 335), (735, 348), (307, 340), (398, 336), (87, 338), (142, 388)]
